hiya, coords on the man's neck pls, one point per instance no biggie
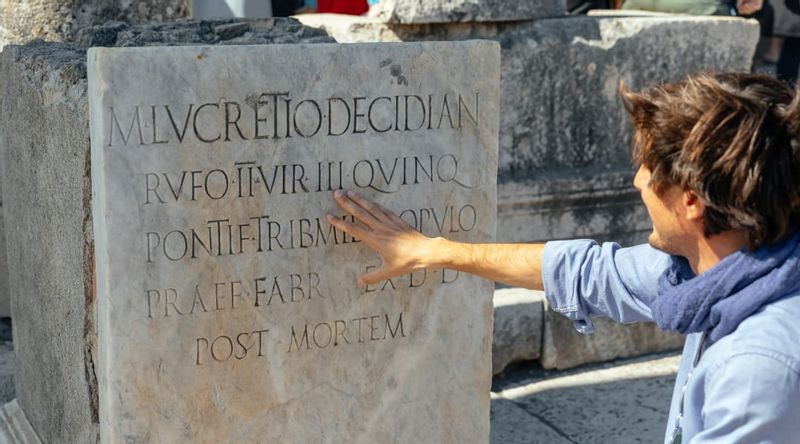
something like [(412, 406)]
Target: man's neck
[(711, 250)]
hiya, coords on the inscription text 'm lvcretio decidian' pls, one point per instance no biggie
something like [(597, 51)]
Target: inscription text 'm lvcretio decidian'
[(281, 116)]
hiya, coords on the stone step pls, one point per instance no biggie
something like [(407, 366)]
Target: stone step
[(525, 329)]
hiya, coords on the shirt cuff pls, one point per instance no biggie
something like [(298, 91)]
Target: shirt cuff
[(561, 261)]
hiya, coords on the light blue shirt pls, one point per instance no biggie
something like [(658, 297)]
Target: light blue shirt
[(746, 387)]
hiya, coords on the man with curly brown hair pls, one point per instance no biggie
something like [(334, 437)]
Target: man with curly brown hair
[(719, 173)]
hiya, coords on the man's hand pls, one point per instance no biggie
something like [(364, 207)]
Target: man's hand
[(403, 249), (749, 7)]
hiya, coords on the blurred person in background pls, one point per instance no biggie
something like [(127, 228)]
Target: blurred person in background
[(285, 8), (780, 24), (350, 7), (697, 7)]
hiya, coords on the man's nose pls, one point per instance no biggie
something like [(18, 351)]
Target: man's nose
[(637, 179)]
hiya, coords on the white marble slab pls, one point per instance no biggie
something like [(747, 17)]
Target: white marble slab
[(227, 309)]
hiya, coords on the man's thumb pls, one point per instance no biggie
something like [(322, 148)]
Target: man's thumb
[(374, 276)]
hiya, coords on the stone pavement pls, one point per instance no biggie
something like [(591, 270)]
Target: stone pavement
[(624, 401)]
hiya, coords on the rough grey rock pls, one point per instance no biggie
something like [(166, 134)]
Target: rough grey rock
[(563, 347), (446, 11), (518, 321), (44, 132), (565, 168), (58, 20), (205, 32)]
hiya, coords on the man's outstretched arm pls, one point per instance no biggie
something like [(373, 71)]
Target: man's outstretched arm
[(403, 249)]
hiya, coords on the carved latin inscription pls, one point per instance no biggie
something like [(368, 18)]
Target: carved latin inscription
[(228, 307)]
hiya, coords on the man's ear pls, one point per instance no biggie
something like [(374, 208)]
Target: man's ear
[(694, 207)]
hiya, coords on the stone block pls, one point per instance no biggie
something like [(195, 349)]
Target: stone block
[(518, 321), (565, 169), (563, 347), (44, 134), (449, 11), (219, 279)]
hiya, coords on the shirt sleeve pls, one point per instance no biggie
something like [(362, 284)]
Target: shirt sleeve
[(751, 397), (583, 279)]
